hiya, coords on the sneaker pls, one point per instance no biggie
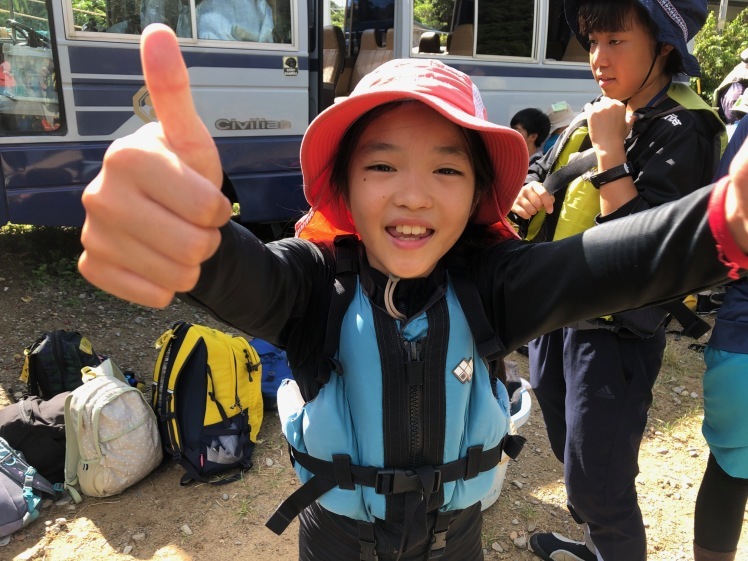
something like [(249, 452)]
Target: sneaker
[(555, 547)]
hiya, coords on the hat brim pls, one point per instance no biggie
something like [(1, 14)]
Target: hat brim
[(665, 34), (505, 147)]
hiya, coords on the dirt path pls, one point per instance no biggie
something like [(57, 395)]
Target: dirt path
[(158, 519)]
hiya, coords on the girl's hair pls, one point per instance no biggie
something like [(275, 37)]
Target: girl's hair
[(479, 159), (604, 15)]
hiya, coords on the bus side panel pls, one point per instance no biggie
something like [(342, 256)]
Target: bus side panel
[(3, 203), (43, 186)]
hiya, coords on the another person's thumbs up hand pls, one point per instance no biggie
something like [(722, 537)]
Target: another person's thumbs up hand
[(153, 212)]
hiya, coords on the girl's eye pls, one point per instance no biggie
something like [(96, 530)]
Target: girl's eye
[(592, 41), (379, 167), (448, 171)]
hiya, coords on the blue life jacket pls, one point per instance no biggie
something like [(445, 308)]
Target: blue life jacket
[(347, 416), (410, 418)]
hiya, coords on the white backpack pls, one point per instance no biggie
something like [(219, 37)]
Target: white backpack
[(111, 432)]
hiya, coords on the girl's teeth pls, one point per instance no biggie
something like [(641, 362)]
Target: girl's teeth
[(410, 230)]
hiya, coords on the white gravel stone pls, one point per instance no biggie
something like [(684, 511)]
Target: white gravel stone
[(520, 542)]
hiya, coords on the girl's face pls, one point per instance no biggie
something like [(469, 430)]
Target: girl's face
[(411, 187), (620, 61)]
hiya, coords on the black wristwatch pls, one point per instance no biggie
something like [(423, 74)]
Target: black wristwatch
[(610, 175)]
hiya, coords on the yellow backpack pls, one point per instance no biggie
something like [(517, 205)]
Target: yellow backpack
[(208, 400)]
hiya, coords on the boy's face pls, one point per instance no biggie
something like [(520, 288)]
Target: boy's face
[(411, 187), (620, 61), (529, 138)]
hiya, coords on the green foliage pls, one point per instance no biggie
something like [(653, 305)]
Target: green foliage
[(719, 53), (435, 14), (52, 252), (337, 14), (32, 13), (91, 12)]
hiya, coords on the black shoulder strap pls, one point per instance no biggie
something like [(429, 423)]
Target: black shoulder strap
[(346, 273), (693, 325), (577, 166), (490, 347)]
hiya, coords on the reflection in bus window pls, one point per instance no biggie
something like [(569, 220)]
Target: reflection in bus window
[(505, 28), (29, 100), (255, 21)]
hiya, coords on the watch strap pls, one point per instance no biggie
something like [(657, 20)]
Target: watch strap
[(609, 175)]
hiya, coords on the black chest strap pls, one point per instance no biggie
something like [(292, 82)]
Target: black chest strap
[(340, 472)]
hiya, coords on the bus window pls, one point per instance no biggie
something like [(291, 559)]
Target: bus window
[(506, 28), (29, 99), (561, 43), (253, 21)]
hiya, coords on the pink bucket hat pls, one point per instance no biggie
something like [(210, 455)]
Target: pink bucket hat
[(441, 87)]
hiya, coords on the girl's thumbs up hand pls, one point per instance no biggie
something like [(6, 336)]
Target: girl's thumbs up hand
[(154, 209)]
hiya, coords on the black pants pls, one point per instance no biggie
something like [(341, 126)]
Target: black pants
[(594, 389), (324, 536), (720, 506)]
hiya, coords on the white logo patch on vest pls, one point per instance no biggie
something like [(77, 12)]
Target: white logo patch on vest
[(673, 119), (464, 370)]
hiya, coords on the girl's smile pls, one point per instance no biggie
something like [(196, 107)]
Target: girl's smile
[(411, 189)]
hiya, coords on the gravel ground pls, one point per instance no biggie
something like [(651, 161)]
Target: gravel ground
[(157, 519)]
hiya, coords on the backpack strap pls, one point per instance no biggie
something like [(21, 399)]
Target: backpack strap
[(559, 179), (693, 325), (346, 275), (17, 468), (489, 346)]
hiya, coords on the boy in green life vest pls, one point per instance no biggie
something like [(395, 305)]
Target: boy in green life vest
[(645, 141)]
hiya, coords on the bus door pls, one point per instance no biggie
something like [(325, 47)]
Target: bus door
[(254, 85), (366, 35), (30, 94)]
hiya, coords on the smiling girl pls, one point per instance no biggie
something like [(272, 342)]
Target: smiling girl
[(404, 286)]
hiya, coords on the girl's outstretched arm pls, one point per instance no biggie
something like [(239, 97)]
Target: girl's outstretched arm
[(728, 213), (736, 205)]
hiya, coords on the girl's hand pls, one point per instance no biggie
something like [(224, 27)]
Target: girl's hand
[(154, 209)]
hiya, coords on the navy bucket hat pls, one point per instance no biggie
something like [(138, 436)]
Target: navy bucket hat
[(677, 22)]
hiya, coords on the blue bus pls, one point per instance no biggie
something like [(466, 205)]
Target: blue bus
[(71, 82)]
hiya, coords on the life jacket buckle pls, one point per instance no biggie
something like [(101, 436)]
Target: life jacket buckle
[(395, 481)]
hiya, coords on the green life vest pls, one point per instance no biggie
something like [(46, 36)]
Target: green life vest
[(581, 202)]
